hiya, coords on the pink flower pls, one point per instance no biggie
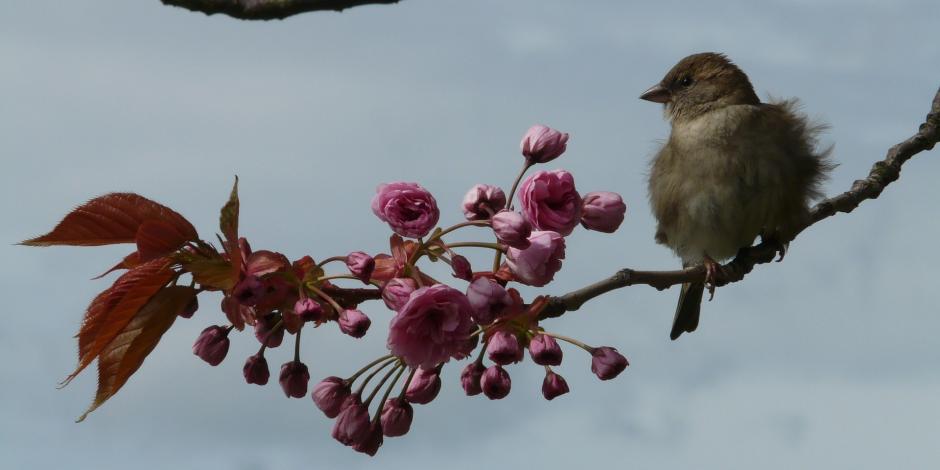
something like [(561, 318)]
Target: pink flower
[(470, 378), (553, 386), (482, 201), (396, 292), (541, 144), (512, 229), (256, 370), (373, 440), (433, 326), (537, 264), (495, 383), (545, 350), (550, 201), (212, 344), (354, 323), (360, 265), (294, 378), (488, 299), (330, 394), (352, 424), (308, 309), (269, 331), (396, 417), (407, 208), (461, 267), (602, 211), (504, 348), (424, 387), (249, 291), (607, 363)]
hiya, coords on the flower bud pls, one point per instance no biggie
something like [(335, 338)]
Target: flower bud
[(212, 344), (545, 351), (424, 387), (495, 382), (396, 292), (602, 211), (268, 331), (190, 308), (249, 291), (360, 265), (607, 363), (541, 144), (330, 394), (294, 378), (308, 309), (396, 417), (470, 378), (550, 201), (482, 201), (512, 229), (354, 323), (373, 440), (553, 386), (352, 424), (488, 299), (504, 348), (407, 208), (537, 264), (461, 267), (256, 370)]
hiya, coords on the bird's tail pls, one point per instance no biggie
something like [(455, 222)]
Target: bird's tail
[(687, 312)]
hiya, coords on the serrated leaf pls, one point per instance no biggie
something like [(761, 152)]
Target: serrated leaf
[(157, 238), (130, 261), (228, 220), (112, 218), (127, 351)]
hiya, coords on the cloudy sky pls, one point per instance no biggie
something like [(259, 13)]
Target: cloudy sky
[(827, 360)]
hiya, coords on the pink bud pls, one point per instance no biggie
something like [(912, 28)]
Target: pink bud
[(512, 229), (396, 292), (607, 363), (294, 378), (602, 211), (545, 351), (396, 417), (249, 291), (550, 201), (553, 386), (269, 331), (504, 348), (354, 323), (461, 267), (424, 386), (482, 201), (373, 440), (360, 265), (409, 209), (352, 424), (212, 344), (329, 395), (190, 308), (488, 299), (256, 370), (495, 382), (470, 378), (541, 144), (537, 264), (308, 309)]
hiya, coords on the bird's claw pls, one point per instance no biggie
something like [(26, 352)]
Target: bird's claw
[(713, 269), (783, 251)]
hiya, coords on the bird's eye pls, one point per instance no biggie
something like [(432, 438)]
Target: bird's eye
[(686, 81)]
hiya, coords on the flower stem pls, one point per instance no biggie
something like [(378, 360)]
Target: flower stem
[(404, 388), (512, 192), (388, 391), (493, 246), (297, 345), (326, 297), (375, 391), (346, 276), (331, 259), (365, 381), (573, 341), (367, 367)]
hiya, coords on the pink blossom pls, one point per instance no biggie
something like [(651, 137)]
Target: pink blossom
[(545, 351), (249, 291), (488, 299), (212, 344), (407, 208), (352, 424), (602, 211), (541, 144), (537, 264), (294, 378), (396, 417), (495, 382), (433, 326), (607, 363), (330, 394), (461, 267), (308, 309), (482, 201), (360, 265), (424, 387), (269, 330), (503, 348), (354, 323), (550, 201), (256, 370), (470, 378), (373, 440), (554, 386), (512, 229), (395, 292)]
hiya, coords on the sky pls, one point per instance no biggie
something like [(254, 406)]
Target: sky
[(826, 360)]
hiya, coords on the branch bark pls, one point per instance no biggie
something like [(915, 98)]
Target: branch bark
[(882, 174), (269, 9)]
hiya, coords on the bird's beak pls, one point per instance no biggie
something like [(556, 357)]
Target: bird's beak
[(657, 94)]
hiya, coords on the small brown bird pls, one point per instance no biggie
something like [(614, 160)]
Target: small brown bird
[(733, 168)]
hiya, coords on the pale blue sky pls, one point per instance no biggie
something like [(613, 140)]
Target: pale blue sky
[(827, 360)]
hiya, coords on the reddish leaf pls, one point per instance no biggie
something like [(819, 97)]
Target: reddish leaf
[(127, 351), (264, 262), (111, 310), (228, 220), (157, 238), (215, 273), (239, 315), (108, 219), (130, 261)]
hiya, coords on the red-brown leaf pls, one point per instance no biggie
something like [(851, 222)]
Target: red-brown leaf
[(158, 238), (127, 351), (228, 220), (130, 261), (112, 218)]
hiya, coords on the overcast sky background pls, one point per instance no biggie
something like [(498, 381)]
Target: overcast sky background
[(827, 360)]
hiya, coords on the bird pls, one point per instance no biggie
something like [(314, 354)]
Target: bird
[(733, 168)]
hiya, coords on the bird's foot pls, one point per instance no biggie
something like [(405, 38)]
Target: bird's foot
[(782, 246), (712, 270)]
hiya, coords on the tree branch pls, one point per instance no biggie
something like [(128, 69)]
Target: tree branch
[(269, 9), (882, 174)]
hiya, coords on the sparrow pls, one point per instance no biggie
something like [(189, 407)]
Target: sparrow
[(733, 168)]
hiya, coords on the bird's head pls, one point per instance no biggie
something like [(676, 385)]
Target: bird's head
[(701, 83)]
